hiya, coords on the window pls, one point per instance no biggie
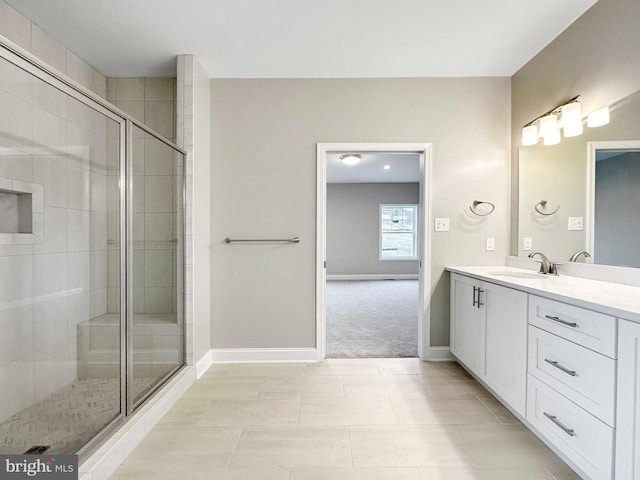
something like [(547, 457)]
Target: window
[(398, 229)]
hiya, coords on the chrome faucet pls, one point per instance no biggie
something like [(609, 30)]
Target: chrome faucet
[(575, 256), (547, 267)]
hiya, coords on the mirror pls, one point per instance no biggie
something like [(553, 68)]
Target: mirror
[(577, 196)]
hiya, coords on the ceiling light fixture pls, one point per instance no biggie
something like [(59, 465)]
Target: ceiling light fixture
[(387, 167), (351, 159)]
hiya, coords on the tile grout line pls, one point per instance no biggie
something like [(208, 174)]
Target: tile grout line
[(393, 409), (350, 445), (500, 422), (235, 448)]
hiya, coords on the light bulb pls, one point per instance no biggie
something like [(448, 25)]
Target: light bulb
[(552, 138), (572, 119), (598, 118), (530, 135), (548, 126)]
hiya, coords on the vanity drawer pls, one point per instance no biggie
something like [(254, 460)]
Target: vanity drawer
[(584, 439), (590, 329), (582, 375)]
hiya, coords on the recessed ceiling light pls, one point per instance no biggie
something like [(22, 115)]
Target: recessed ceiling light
[(351, 159), (387, 167)]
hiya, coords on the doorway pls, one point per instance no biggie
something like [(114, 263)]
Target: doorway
[(372, 281)]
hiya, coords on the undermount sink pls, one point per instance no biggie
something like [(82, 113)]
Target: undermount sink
[(527, 275)]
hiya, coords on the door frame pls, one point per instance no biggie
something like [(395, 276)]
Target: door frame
[(424, 254), (592, 149)]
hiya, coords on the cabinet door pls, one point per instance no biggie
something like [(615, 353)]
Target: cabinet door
[(628, 402), (504, 349), (465, 322)]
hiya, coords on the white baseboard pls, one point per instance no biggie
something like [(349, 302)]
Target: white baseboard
[(439, 354), (263, 355), (203, 364), (377, 276)]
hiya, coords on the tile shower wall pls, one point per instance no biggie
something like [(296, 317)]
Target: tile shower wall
[(48, 287), (152, 101), (26, 34)]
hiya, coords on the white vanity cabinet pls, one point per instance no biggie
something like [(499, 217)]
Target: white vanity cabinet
[(465, 321), (571, 383), (489, 335), (628, 402), (559, 352)]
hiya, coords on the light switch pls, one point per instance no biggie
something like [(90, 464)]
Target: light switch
[(527, 244), (491, 244), (575, 223), (441, 225)]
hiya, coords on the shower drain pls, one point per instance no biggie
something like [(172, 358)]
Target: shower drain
[(37, 450)]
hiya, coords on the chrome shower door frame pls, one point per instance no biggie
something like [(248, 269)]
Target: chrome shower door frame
[(21, 58)]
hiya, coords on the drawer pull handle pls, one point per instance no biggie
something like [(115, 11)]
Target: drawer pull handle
[(560, 367), (569, 431), (559, 320)]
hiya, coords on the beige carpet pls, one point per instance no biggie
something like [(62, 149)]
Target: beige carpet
[(372, 318)]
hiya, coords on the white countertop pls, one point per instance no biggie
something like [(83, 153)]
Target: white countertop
[(612, 298)]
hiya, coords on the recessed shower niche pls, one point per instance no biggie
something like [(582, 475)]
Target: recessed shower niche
[(21, 209), (15, 212)]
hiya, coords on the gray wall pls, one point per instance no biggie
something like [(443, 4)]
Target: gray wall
[(264, 135), (596, 57), (353, 227), (617, 222)]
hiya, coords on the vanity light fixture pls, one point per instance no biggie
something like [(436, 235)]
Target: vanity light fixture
[(351, 159), (567, 115), (598, 117)]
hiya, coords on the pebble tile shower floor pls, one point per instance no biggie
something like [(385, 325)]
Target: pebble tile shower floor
[(68, 418)]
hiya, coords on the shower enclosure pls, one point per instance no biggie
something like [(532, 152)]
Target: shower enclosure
[(91, 261)]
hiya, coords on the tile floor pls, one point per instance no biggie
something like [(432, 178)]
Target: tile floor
[(344, 419)]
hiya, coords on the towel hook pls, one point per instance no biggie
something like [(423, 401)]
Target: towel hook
[(543, 204), (478, 202)]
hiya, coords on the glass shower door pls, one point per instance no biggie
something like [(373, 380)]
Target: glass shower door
[(156, 325), (60, 321)]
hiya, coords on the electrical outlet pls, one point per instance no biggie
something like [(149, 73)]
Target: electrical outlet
[(491, 244), (527, 244), (441, 225), (575, 223)]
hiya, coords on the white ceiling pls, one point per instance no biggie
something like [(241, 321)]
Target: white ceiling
[(307, 38), (404, 168)]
